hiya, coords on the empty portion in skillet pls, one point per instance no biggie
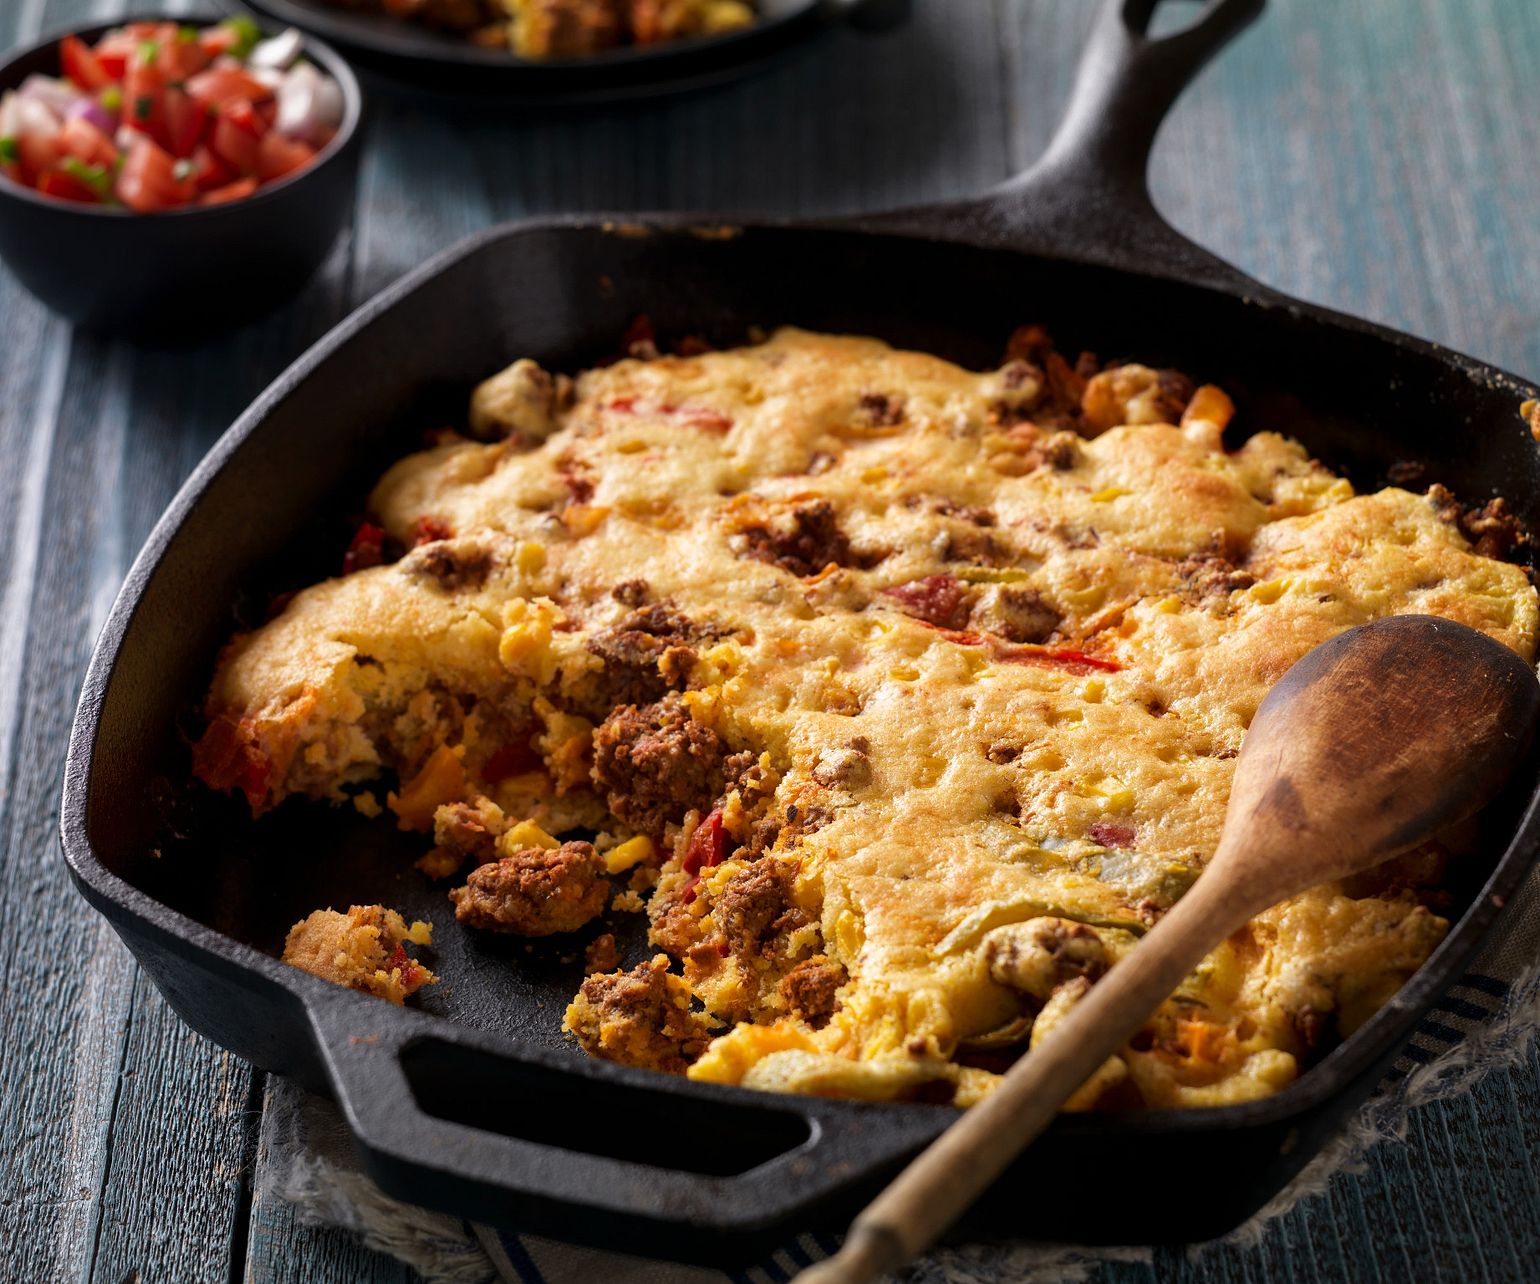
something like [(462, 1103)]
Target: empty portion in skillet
[(906, 696)]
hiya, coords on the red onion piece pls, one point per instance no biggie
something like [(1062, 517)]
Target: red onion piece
[(90, 109)]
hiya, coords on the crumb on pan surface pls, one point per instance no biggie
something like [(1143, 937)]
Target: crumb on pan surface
[(363, 949), (904, 698)]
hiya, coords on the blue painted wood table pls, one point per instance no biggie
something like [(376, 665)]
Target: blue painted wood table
[(1375, 155)]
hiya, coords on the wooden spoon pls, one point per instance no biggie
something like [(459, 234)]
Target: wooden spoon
[(1367, 746)]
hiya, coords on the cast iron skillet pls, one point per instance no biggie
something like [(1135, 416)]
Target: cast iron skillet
[(437, 60), (488, 1113)]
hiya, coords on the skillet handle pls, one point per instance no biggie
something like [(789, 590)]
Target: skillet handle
[(455, 1119), (1087, 197)]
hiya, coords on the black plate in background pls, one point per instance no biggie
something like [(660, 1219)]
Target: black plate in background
[(417, 55)]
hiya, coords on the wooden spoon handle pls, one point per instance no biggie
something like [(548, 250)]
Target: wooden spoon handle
[(956, 1168)]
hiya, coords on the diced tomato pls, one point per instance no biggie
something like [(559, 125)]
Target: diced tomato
[(186, 121), (512, 759), (182, 59), (57, 183), (210, 172), (1061, 657), (236, 191), (237, 136), (705, 850), (144, 96), (218, 40), (141, 32), (221, 85), (149, 179), (38, 152), (113, 52), (366, 549), (1110, 835), (936, 599), (86, 143), (706, 845), (227, 756), (267, 112), (81, 65), (428, 529)]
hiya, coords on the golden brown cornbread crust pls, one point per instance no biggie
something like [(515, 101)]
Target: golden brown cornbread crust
[(972, 681)]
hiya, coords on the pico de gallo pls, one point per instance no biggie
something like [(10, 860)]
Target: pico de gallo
[(158, 116)]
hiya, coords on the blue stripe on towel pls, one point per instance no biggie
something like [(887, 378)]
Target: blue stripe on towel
[(1465, 1009), (520, 1259), (1486, 984), (1436, 1029)]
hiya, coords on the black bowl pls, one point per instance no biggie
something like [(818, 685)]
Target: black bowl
[(183, 271)]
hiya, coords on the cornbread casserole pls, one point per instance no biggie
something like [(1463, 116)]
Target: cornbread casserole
[(903, 698), (364, 949), (567, 28)]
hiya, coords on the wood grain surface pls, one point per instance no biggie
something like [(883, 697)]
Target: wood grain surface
[(1374, 155)]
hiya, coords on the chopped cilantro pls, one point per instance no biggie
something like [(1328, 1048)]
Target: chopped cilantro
[(248, 32), (93, 176)]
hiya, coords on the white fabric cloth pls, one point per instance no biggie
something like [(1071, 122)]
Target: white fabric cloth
[(1485, 1022)]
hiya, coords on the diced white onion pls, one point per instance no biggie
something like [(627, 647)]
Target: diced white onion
[(35, 118), (278, 54), (10, 115), (309, 105), (56, 95)]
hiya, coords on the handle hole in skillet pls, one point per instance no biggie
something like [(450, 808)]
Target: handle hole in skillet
[(1170, 18), (614, 1121)]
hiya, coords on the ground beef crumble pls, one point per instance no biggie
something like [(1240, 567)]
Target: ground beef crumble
[(656, 762), (602, 955), (809, 990), (755, 911), (1493, 529), (464, 831), (813, 541), (646, 655), (451, 565), (1016, 613), (1208, 577), (535, 892), (639, 1018)]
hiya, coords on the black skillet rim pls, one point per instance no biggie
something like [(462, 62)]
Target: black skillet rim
[(1388, 1027)]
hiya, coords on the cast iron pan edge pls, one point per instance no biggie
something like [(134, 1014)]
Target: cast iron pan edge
[(361, 1043)]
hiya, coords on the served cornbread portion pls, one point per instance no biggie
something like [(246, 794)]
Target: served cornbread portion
[(567, 28), (903, 698), (363, 949)]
